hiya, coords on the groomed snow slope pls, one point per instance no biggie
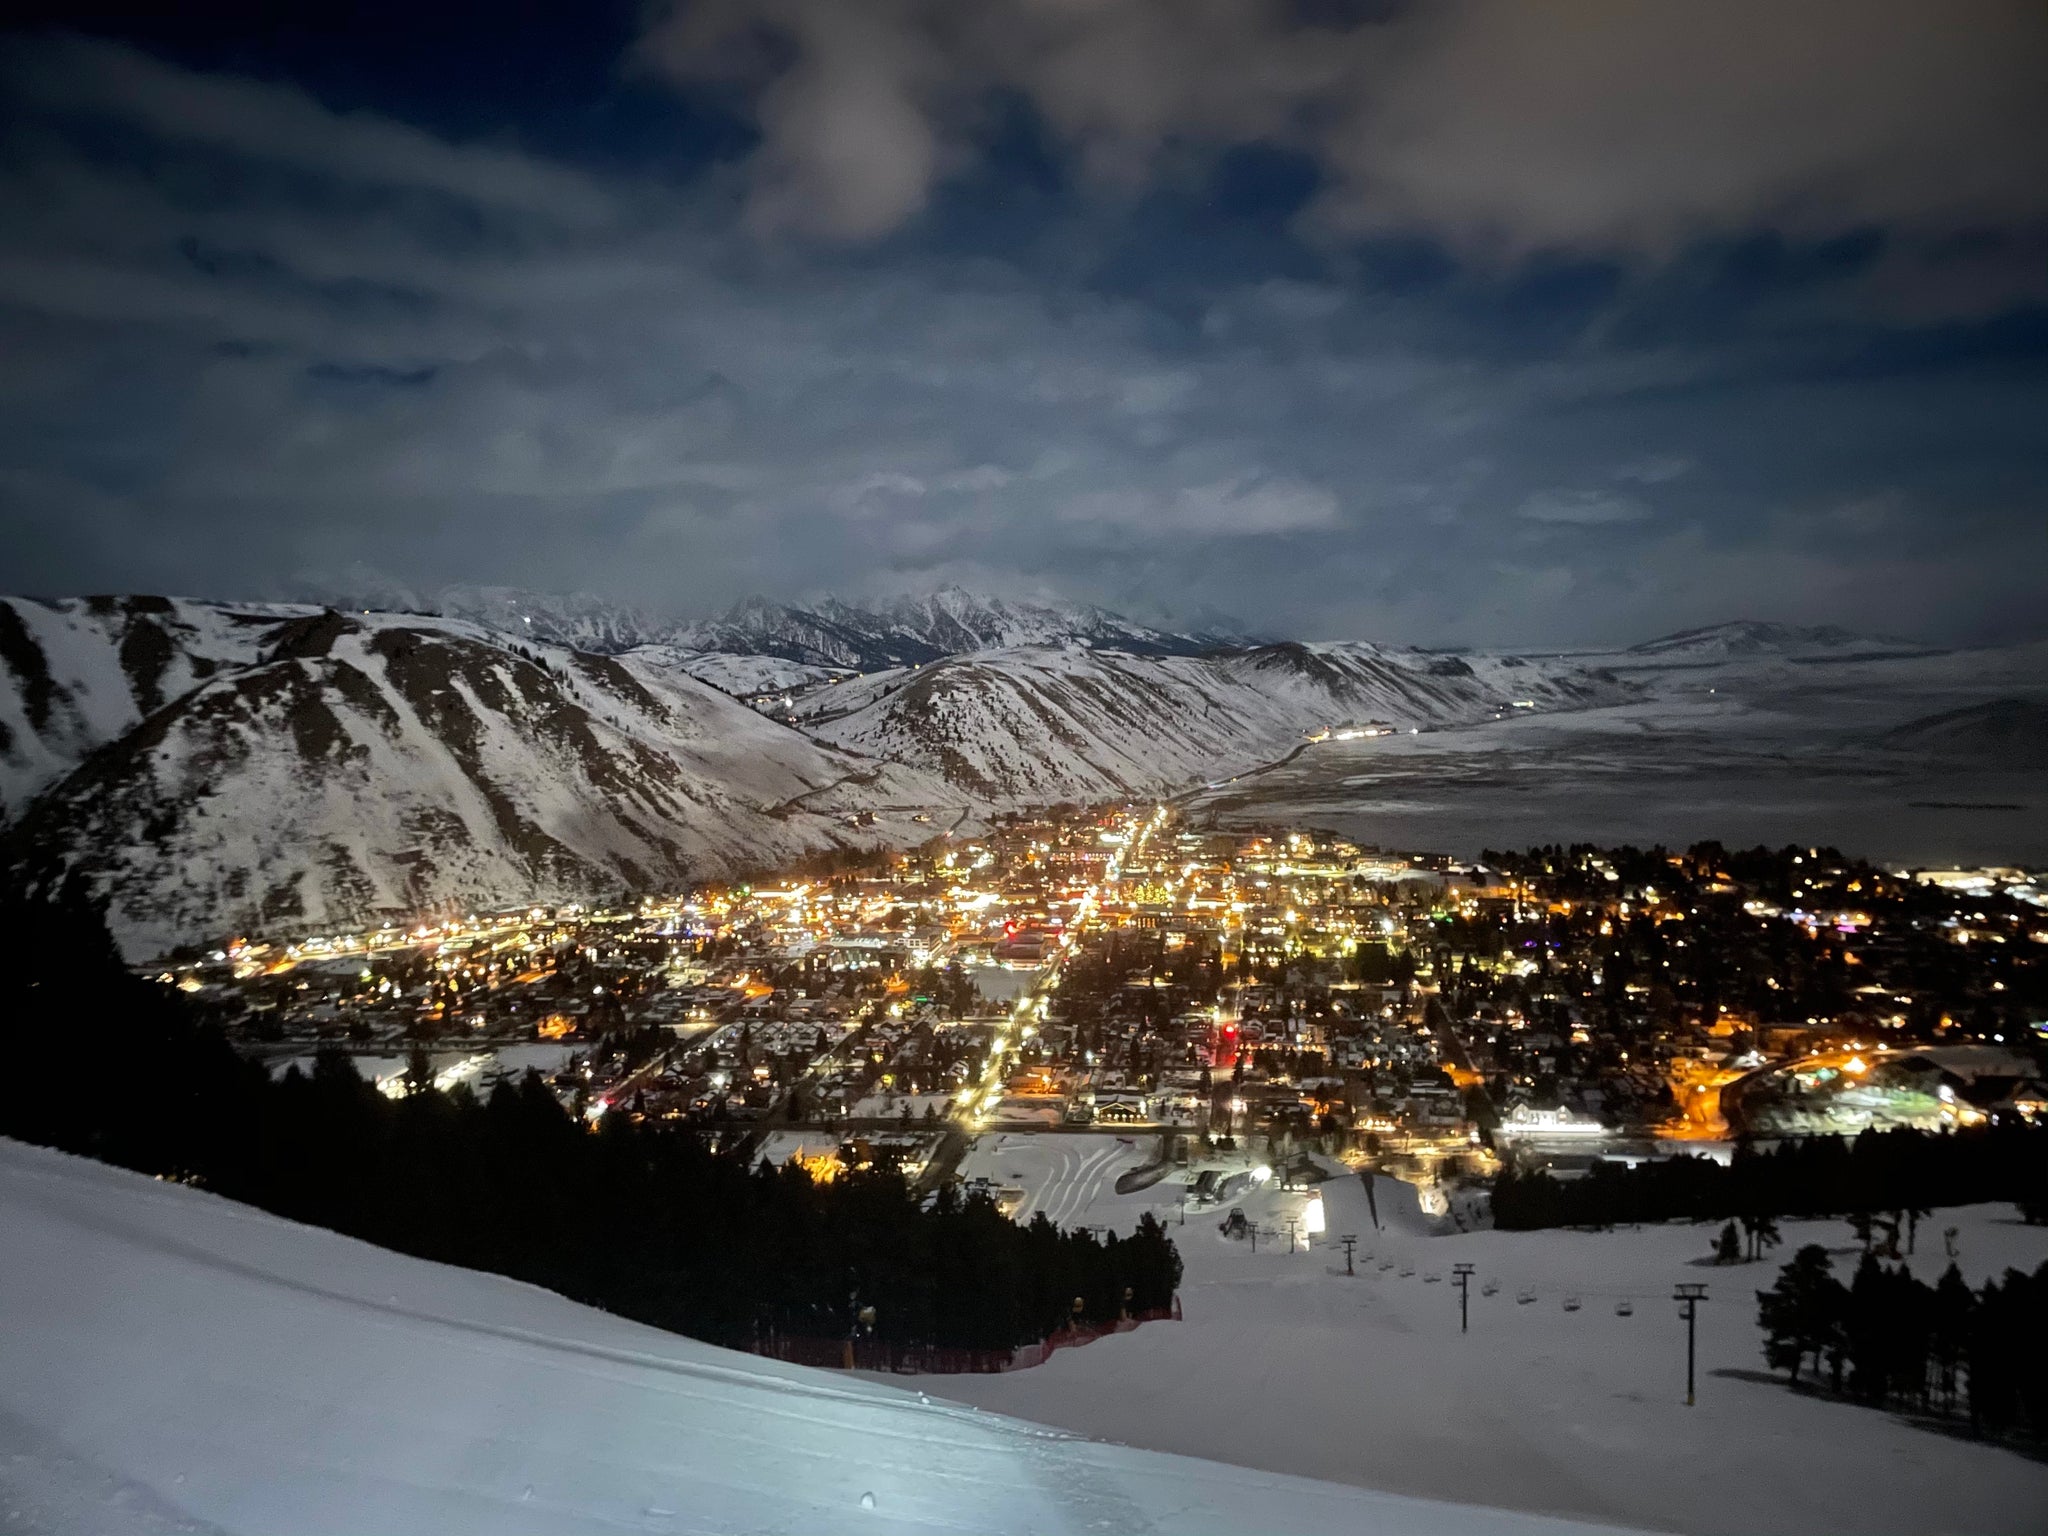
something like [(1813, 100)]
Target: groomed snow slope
[(1285, 1363), (172, 1362)]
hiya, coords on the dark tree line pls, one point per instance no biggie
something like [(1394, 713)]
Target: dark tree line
[(1890, 1340), (645, 1222), (1897, 1170)]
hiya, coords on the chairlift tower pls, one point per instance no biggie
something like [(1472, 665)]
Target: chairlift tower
[(1462, 1273), (1690, 1294)]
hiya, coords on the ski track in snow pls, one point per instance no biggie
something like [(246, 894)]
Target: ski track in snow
[(1074, 1187)]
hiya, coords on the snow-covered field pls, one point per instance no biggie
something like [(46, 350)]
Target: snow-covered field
[(778, 1147), (886, 1105), (1286, 1364), (1070, 1176), (1002, 983), (172, 1362), (477, 1069), (1755, 750)]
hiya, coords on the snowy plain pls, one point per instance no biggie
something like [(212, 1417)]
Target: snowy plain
[(1749, 750), (173, 1362), (1284, 1363)]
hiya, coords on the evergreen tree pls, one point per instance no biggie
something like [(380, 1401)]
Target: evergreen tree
[(1802, 1314), (1728, 1247), (1949, 1332), (1763, 1234), (645, 1221)]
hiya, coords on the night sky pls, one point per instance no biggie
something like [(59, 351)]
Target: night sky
[(1476, 321)]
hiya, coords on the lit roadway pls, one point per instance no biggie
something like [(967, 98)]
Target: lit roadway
[(974, 1105)]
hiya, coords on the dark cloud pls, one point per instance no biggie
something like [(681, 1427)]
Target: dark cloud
[(1235, 346)]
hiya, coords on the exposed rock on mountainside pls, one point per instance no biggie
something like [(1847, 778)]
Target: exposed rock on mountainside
[(78, 673)]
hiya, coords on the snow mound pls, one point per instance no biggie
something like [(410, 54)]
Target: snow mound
[(175, 1362)]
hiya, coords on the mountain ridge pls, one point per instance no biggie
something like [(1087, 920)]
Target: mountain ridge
[(831, 633), (204, 766), (1739, 638), (360, 765)]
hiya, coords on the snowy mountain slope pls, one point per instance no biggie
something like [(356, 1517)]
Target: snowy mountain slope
[(1752, 638), (78, 672), (176, 1362), (953, 620), (740, 676), (1044, 724), (911, 630), (376, 764), (2010, 733), (831, 634), (582, 621)]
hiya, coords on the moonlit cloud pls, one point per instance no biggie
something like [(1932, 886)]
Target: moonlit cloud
[(1503, 126), (1584, 508), (1005, 294), (270, 123)]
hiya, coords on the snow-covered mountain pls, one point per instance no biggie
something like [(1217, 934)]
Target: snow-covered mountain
[(366, 764), (1751, 638), (78, 673), (1041, 724), (830, 635), (174, 1362), (909, 630), (580, 620), (209, 766), (742, 676)]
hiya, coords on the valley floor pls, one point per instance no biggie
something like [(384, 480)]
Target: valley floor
[(1675, 772)]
